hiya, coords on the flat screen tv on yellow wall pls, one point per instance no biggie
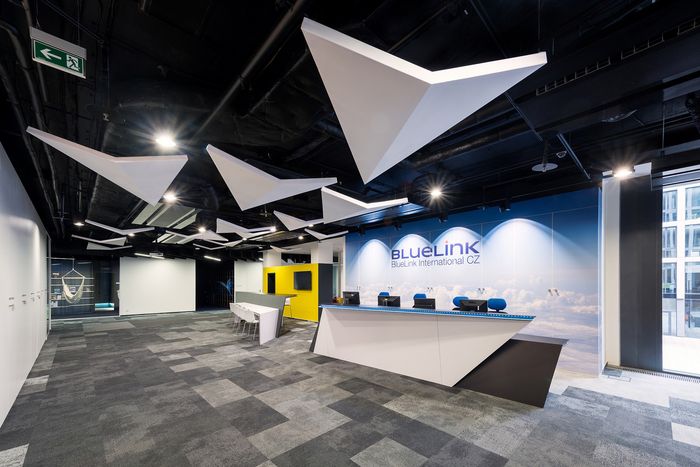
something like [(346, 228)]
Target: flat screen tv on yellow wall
[(302, 280)]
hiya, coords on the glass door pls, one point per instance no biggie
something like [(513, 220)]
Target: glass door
[(680, 279)]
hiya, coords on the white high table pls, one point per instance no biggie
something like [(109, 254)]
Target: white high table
[(441, 346), (267, 317)]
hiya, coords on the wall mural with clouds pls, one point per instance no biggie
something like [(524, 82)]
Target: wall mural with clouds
[(542, 257)]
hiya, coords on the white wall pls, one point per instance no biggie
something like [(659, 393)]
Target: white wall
[(156, 285), (23, 249), (248, 276)]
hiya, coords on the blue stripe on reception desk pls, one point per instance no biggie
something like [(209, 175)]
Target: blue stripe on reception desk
[(420, 311)]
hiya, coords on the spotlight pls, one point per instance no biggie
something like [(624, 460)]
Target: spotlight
[(623, 172), (442, 218), (435, 193), (504, 206), (169, 197), (78, 223), (361, 230), (213, 258), (273, 229), (301, 237), (130, 235), (397, 225), (165, 140), (202, 229), (311, 225)]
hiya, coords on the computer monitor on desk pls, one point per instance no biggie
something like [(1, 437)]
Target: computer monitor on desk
[(389, 300), (424, 303), (473, 305), (351, 298)]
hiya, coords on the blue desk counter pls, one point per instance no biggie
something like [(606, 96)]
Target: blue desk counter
[(422, 311)]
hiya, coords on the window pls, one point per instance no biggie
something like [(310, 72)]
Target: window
[(668, 279), (692, 240), (670, 209), (692, 203), (668, 243)]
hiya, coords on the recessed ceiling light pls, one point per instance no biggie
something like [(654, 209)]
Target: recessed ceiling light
[(311, 225), (165, 140), (213, 258), (435, 193), (301, 237), (202, 229), (170, 197), (273, 229), (623, 172), (130, 235), (78, 224)]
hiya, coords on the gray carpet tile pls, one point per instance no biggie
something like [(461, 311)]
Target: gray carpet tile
[(183, 389)]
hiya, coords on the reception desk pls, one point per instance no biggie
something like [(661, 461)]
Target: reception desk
[(441, 346)]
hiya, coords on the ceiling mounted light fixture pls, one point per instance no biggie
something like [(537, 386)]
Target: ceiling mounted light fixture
[(623, 172), (435, 193), (202, 229), (170, 197), (78, 224), (213, 258), (301, 237), (165, 140)]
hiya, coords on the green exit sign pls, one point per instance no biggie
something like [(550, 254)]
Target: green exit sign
[(55, 52)]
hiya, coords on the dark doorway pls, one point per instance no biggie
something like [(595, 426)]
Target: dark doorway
[(271, 282)]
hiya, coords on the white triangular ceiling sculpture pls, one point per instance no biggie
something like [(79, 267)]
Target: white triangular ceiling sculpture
[(93, 246), (337, 206), (388, 108), (112, 241), (294, 223), (285, 250), (147, 177), (199, 245), (207, 235), (228, 244), (252, 187), (119, 231), (321, 236), (223, 226)]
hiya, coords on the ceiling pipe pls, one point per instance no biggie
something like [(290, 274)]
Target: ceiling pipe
[(12, 97), (500, 134), (39, 71), (281, 30), (37, 105), (573, 155)]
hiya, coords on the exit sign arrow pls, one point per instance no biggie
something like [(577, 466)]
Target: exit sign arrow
[(57, 53), (47, 53)]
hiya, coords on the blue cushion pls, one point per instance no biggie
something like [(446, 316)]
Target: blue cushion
[(497, 304), (456, 301), (383, 294), (420, 295)]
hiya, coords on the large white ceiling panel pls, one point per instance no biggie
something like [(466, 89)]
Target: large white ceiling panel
[(251, 187), (147, 177), (388, 107), (337, 206), (294, 223)]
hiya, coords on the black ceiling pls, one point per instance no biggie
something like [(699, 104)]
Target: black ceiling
[(619, 87)]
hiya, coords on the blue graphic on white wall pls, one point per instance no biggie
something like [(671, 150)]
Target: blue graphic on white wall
[(542, 258)]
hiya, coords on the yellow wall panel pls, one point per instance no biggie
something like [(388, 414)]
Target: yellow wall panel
[(305, 304)]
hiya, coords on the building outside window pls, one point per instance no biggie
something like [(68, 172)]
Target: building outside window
[(692, 240), (669, 242), (692, 203), (670, 208), (668, 300)]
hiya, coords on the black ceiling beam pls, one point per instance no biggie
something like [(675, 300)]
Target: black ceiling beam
[(573, 155)]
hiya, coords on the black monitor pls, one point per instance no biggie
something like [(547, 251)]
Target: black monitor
[(351, 298), (424, 303), (473, 305), (389, 300), (302, 280)]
